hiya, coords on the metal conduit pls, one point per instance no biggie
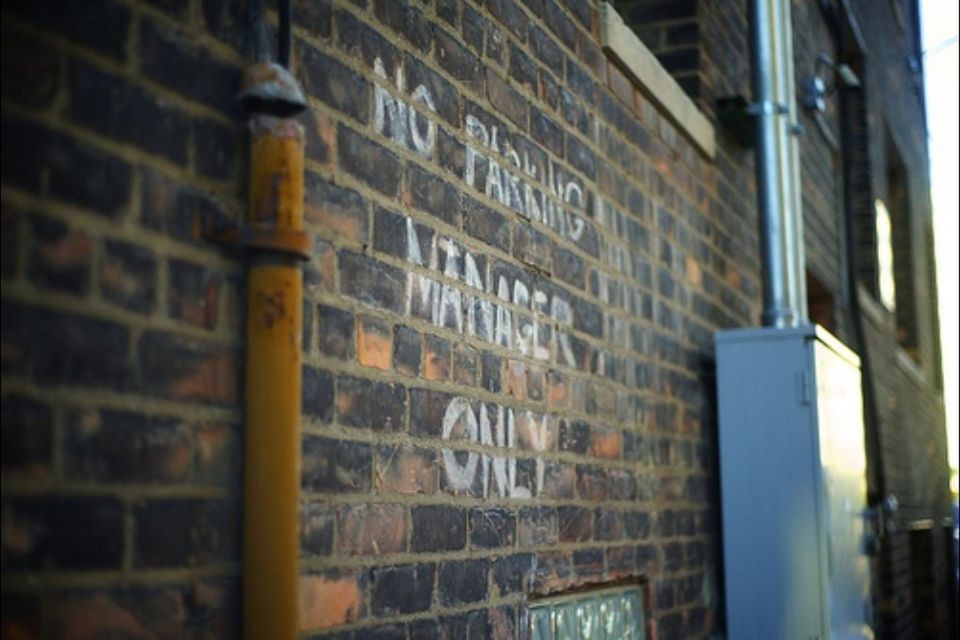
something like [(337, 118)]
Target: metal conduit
[(777, 166)]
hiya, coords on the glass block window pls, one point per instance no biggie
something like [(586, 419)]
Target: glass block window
[(596, 615)]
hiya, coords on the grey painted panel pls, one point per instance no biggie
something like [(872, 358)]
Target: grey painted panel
[(775, 493)]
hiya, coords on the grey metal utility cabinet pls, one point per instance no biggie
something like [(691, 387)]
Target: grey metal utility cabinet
[(793, 484)]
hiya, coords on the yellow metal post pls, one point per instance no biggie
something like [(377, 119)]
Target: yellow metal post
[(273, 382)]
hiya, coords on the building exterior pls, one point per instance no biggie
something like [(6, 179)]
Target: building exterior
[(521, 245)]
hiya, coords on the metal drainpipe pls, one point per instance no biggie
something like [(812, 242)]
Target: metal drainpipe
[(275, 243), (777, 167)]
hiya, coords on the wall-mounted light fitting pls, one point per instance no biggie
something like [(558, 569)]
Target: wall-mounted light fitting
[(827, 76)]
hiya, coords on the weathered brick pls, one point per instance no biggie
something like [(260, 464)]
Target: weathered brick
[(30, 69), (575, 524), (621, 562), (536, 381), (574, 436), (317, 521), (537, 526), (492, 527), (509, 13), (485, 224), (187, 369), (465, 365), (333, 83), (332, 598), (173, 59), (581, 157), (218, 455), (581, 83), (60, 256), (608, 524), (371, 405), (60, 348), (374, 343), (458, 61), (62, 533), (368, 161), (522, 69), (173, 207), (102, 25), (434, 195), (514, 573), (436, 358), (193, 293), (472, 625), (407, 470), (517, 379), (32, 156), (592, 483), (359, 40), (496, 38), (446, 97), (605, 442), (335, 465), (554, 572), (371, 529), (317, 394), (115, 108), (406, 350), (506, 100), (314, 16), (336, 208), (448, 11), (335, 332), (559, 481), (128, 275), (27, 433), (560, 24), (438, 528), (401, 589), (11, 219), (426, 411), (406, 20), (319, 137), (472, 28), (122, 446), (589, 564), (371, 281), (532, 247), (491, 368), (463, 581), (178, 532), (546, 132)]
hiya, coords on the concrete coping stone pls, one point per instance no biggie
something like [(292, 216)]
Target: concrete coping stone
[(626, 50)]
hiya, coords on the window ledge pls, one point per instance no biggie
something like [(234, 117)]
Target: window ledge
[(629, 53)]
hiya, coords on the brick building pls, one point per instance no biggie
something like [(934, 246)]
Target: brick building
[(521, 245)]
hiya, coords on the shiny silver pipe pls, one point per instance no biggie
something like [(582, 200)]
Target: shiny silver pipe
[(777, 169)]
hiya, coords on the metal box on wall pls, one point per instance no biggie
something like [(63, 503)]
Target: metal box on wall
[(793, 484)]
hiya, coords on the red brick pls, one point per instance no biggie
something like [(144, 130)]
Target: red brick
[(436, 358), (517, 379), (330, 599), (374, 343), (371, 529), (407, 470)]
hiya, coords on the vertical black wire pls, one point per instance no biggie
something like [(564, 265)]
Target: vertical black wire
[(256, 41), (285, 15)]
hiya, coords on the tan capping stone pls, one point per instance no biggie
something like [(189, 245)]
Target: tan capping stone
[(626, 49)]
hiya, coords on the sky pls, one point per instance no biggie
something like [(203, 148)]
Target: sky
[(939, 26)]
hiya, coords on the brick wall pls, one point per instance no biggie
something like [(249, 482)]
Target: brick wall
[(910, 406), (518, 265), (121, 420)]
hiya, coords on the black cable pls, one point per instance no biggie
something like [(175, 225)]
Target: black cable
[(285, 16)]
